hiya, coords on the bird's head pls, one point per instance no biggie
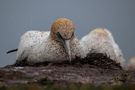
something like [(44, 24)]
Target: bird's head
[(101, 32), (62, 30)]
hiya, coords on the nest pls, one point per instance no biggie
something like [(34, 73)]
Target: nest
[(99, 60)]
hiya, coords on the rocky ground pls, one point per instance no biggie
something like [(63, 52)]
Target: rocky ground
[(96, 69)]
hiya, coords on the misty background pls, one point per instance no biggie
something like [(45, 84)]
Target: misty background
[(19, 16)]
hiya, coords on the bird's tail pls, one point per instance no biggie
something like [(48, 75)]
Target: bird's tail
[(13, 50)]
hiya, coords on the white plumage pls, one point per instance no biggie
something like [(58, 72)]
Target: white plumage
[(100, 40), (36, 46), (40, 46), (28, 41)]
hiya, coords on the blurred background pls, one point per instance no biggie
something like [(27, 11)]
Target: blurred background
[(19, 16)]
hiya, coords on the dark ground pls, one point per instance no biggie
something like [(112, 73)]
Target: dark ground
[(96, 69)]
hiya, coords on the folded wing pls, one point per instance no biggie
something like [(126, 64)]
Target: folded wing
[(28, 40)]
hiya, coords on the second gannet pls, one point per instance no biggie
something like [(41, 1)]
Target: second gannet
[(100, 40)]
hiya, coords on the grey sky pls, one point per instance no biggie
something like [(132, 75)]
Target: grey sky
[(19, 16)]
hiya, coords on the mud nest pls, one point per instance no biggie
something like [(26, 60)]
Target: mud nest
[(93, 60)]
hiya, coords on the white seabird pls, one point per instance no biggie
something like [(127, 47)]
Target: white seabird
[(57, 45), (100, 40)]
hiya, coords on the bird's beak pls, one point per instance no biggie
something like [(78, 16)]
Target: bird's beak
[(67, 47), (66, 43)]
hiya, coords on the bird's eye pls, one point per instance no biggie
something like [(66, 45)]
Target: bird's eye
[(59, 35), (72, 34)]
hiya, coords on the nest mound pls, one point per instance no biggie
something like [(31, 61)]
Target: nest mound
[(95, 69), (93, 59)]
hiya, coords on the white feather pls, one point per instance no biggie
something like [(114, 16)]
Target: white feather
[(37, 46)]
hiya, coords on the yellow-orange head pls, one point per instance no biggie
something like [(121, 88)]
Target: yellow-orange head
[(65, 27), (62, 30), (101, 32)]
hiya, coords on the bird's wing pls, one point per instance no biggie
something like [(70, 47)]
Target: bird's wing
[(28, 40)]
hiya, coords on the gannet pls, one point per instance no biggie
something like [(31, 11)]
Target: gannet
[(100, 40), (58, 44)]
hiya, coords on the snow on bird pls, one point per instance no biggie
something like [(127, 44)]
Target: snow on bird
[(56, 45), (100, 40)]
